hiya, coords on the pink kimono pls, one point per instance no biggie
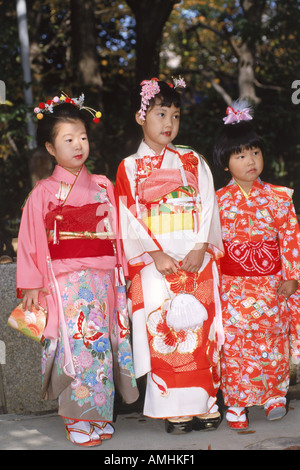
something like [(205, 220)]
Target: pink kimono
[(68, 244)]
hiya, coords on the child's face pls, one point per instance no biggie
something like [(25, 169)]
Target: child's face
[(71, 146), (246, 166), (161, 126)]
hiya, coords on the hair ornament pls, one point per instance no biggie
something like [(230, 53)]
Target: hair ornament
[(64, 98), (150, 88), (179, 82), (239, 111)]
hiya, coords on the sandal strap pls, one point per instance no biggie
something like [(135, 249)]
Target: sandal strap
[(180, 419), (236, 413), (80, 431), (90, 442)]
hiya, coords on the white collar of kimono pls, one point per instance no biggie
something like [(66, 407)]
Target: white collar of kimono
[(145, 150)]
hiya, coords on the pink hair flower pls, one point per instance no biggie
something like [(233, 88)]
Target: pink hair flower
[(150, 88)]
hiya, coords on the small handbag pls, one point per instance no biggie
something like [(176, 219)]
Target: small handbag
[(29, 323)]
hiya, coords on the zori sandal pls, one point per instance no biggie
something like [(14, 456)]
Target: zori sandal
[(275, 408), (103, 429), (82, 434), (207, 422), (179, 425), (238, 420)]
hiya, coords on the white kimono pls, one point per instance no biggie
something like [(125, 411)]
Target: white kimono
[(168, 203)]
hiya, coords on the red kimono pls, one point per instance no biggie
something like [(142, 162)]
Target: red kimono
[(262, 243)]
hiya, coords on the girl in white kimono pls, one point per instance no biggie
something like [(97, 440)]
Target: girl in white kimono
[(171, 237)]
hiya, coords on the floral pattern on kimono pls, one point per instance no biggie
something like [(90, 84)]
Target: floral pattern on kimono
[(257, 321), (86, 302), (87, 351), (167, 202)]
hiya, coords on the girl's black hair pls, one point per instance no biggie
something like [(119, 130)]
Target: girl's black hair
[(167, 96), (47, 127), (232, 139)]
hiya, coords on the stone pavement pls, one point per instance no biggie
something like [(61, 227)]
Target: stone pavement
[(138, 434)]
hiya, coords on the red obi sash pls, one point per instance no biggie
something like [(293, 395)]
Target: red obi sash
[(251, 259), (80, 248), (74, 229)]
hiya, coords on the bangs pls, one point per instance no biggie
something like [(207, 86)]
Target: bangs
[(167, 96), (47, 127), (247, 144), (233, 139)]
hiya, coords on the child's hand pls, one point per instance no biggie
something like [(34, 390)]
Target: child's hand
[(194, 259), (287, 288), (31, 298), (164, 263)]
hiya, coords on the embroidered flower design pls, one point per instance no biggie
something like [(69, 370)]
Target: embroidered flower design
[(190, 162), (182, 281), (165, 339), (87, 331), (85, 294)]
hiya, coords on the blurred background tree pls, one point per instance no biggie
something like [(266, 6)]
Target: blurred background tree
[(224, 50)]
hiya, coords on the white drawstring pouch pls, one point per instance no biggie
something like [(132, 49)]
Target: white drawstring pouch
[(185, 312)]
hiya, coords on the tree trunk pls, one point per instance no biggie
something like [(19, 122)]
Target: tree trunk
[(253, 11), (151, 16), (84, 43), (86, 70), (38, 167)]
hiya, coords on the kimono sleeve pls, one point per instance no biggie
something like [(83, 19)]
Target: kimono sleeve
[(137, 240), (289, 239), (32, 244), (210, 226)]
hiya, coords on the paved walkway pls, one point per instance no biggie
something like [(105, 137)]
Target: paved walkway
[(134, 432)]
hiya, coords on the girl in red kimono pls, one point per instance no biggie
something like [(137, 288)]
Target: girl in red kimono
[(260, 273), (69, 258), (171, 236)]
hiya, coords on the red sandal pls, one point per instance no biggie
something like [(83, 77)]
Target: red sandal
[(275, 411), (238, 424)]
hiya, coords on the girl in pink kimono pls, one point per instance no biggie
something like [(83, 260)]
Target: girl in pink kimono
[(171, 237), (69, 261)]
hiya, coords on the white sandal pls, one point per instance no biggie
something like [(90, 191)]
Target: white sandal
[(103, 429)]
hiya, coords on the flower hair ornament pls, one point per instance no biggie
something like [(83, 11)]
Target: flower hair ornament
[(179, 82), (48, 106), (150, 88), (239, 111)]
